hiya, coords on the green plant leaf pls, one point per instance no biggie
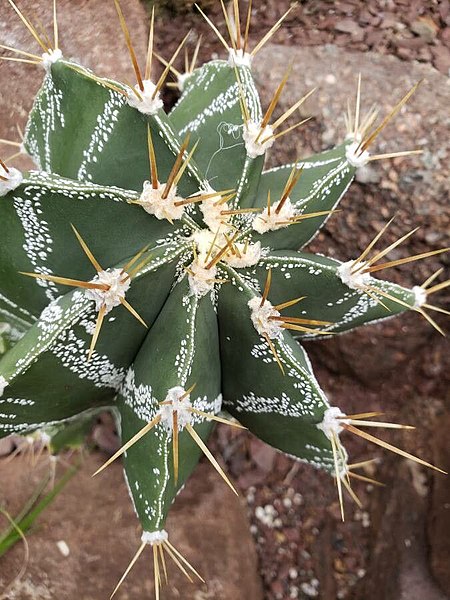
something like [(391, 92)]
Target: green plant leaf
[(324, 180), (282, 409), (181, 349), (49, 377), (210, 110), (81, 129), (36, 234), (327, 298)]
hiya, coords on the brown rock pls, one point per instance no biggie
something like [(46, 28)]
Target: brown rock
[(348, 26), (374, 37), (426, 28), (441, 61), (439, 513), (399, 520), (182, 6), (444, 10), (389, 21), (104, 434), (95, 518), (263, 455), (91, 35), (445, 35), (409, 43)]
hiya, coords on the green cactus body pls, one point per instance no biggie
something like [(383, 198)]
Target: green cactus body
[(211, 279)]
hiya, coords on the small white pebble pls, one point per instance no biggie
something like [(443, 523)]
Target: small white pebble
[(361, 573), (63, 548), (268, 516), (259, 512), (278, 523), (309, 590), (298, 499)]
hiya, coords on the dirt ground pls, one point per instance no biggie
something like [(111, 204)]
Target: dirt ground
[(397, 546), (408, 29), (85, 540)]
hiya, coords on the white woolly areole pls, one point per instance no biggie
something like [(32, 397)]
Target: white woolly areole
[(331, 425), (3, 385), (203, 239), (355, 281), (118, 285), (248, 258), (201, 279), (261, 320), (211, 212), (251, 133), (152, 202), (420, 296), (50, 57), (265, 222), (239, 58), (355, 157), (144, 101), (181, 80), (154, 537), (182, 408), (13, 179)]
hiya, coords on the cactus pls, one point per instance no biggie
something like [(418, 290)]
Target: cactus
[(153, 268)]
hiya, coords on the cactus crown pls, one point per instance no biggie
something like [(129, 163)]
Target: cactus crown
[(151, 266)]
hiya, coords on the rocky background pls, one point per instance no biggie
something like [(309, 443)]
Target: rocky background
[(284, 538)]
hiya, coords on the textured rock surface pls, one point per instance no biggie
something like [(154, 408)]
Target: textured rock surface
[(399, 560), (182, 6), (439, 519), (96, 520), (410, 29)]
